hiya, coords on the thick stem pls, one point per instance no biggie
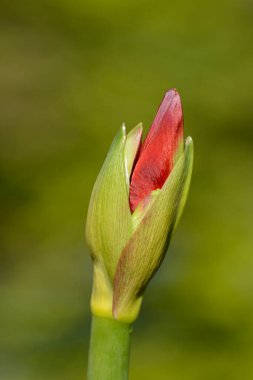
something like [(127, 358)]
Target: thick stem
[(109, 350)]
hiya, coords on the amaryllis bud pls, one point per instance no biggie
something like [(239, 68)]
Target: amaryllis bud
[(135, 205)]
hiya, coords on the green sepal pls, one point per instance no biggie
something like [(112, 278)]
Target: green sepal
[(143, 253), (109, 218), (133, 141), (189, 164)]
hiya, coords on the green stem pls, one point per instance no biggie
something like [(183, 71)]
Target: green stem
[(109, 349)]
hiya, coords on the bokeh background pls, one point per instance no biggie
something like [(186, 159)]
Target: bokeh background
[(71, 72)]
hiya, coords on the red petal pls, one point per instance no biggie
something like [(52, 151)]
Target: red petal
[(156, 158)]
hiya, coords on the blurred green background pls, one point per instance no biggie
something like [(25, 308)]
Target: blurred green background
[(70, 73)]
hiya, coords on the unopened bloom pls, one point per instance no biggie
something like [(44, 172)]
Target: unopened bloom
[(136, 203)]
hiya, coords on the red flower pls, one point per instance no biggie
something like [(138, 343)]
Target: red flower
[(160, 150)]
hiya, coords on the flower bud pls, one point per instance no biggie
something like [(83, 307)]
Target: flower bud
[(136, 203)]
